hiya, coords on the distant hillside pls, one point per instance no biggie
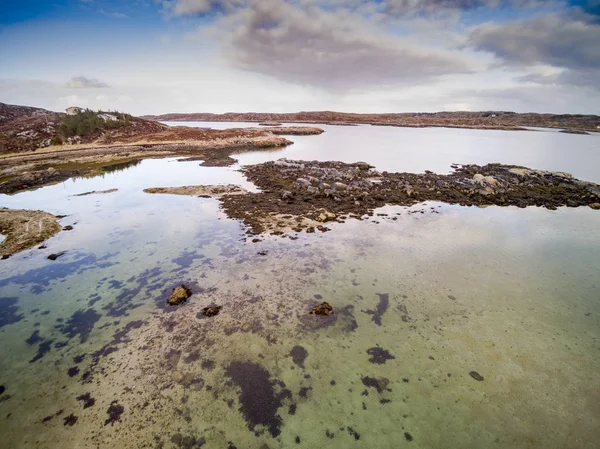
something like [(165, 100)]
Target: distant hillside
[(483, 119), (24, 128), (9, 112)]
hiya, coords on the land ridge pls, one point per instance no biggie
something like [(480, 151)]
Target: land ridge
[(502, 120)]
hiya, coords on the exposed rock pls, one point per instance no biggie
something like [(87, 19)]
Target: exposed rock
[(211, 311), (326, 216), (94, 192), (68, 228), (323, 309), (492, 184), (287, 195), (24, 229), (207, 191), (56, 256), (475, 375), (595, 206), (179, 295)]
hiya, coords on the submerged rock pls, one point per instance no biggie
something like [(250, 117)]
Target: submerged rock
[(56, 256), (323, 309), (211, 311), (179, 295), (475, 375)]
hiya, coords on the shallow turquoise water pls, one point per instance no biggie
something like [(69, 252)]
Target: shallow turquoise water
[(509, 293)]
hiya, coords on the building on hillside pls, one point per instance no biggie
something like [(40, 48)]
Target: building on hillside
[(74, 110)]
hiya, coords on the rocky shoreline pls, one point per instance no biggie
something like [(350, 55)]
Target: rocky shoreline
[(308, 192), (24, 171)]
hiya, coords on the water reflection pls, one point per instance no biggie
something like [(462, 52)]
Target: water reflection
[(418, 149)]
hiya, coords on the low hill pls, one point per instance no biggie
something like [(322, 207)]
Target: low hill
[(24, 128), (483, 119)]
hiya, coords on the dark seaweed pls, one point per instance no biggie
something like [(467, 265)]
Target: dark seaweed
[(9, 311), (258, 400), (379, 355), (114, 413), (81, 323), (43, 349), (70, 420), (34, 338), (382, 306), (87, 399), (299, 355)]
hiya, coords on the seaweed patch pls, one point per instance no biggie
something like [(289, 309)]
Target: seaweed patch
[(9, 311), (81, 323), (114, 413), (258, 400), (382, 306), (299, 355), (379, 355)]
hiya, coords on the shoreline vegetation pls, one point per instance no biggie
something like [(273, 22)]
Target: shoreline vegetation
[(492, 120)]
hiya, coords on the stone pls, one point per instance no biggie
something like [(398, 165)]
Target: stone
[(363, 165), (179, 295), (211, 311), (326, 216), (475, 375), (595, 206), (68, 228), (286, 195), (339, 186), (56, 256), (323, 309), (302, 182)]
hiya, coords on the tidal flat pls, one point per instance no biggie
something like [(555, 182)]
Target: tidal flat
[(453, 326)]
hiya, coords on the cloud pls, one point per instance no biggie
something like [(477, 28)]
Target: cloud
[(114, 15), (434, 6), (199, 7), (79, 82), (568, 42), (336, 50)]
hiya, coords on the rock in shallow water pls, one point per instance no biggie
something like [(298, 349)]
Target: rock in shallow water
[(179, 295), (211, 311), (323, 309), (475, 375)]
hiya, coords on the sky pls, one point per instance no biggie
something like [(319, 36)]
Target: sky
[(161, 56)]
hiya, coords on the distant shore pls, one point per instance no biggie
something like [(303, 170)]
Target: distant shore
[(492, 120)]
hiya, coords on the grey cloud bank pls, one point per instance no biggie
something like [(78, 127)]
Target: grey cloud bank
[(80, 82)]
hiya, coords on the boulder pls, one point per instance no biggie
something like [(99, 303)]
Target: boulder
[(179, 295), (302, 182), (286, 195), (323, 309), (211, 311), (339, 186), (595, 206), (326, 216)]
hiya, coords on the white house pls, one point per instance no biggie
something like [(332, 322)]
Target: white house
[(74, 110)]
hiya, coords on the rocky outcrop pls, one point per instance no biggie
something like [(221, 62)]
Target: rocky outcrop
[(318, 192), (201, 191), (25, 229), (179, 295), (323, 309)]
